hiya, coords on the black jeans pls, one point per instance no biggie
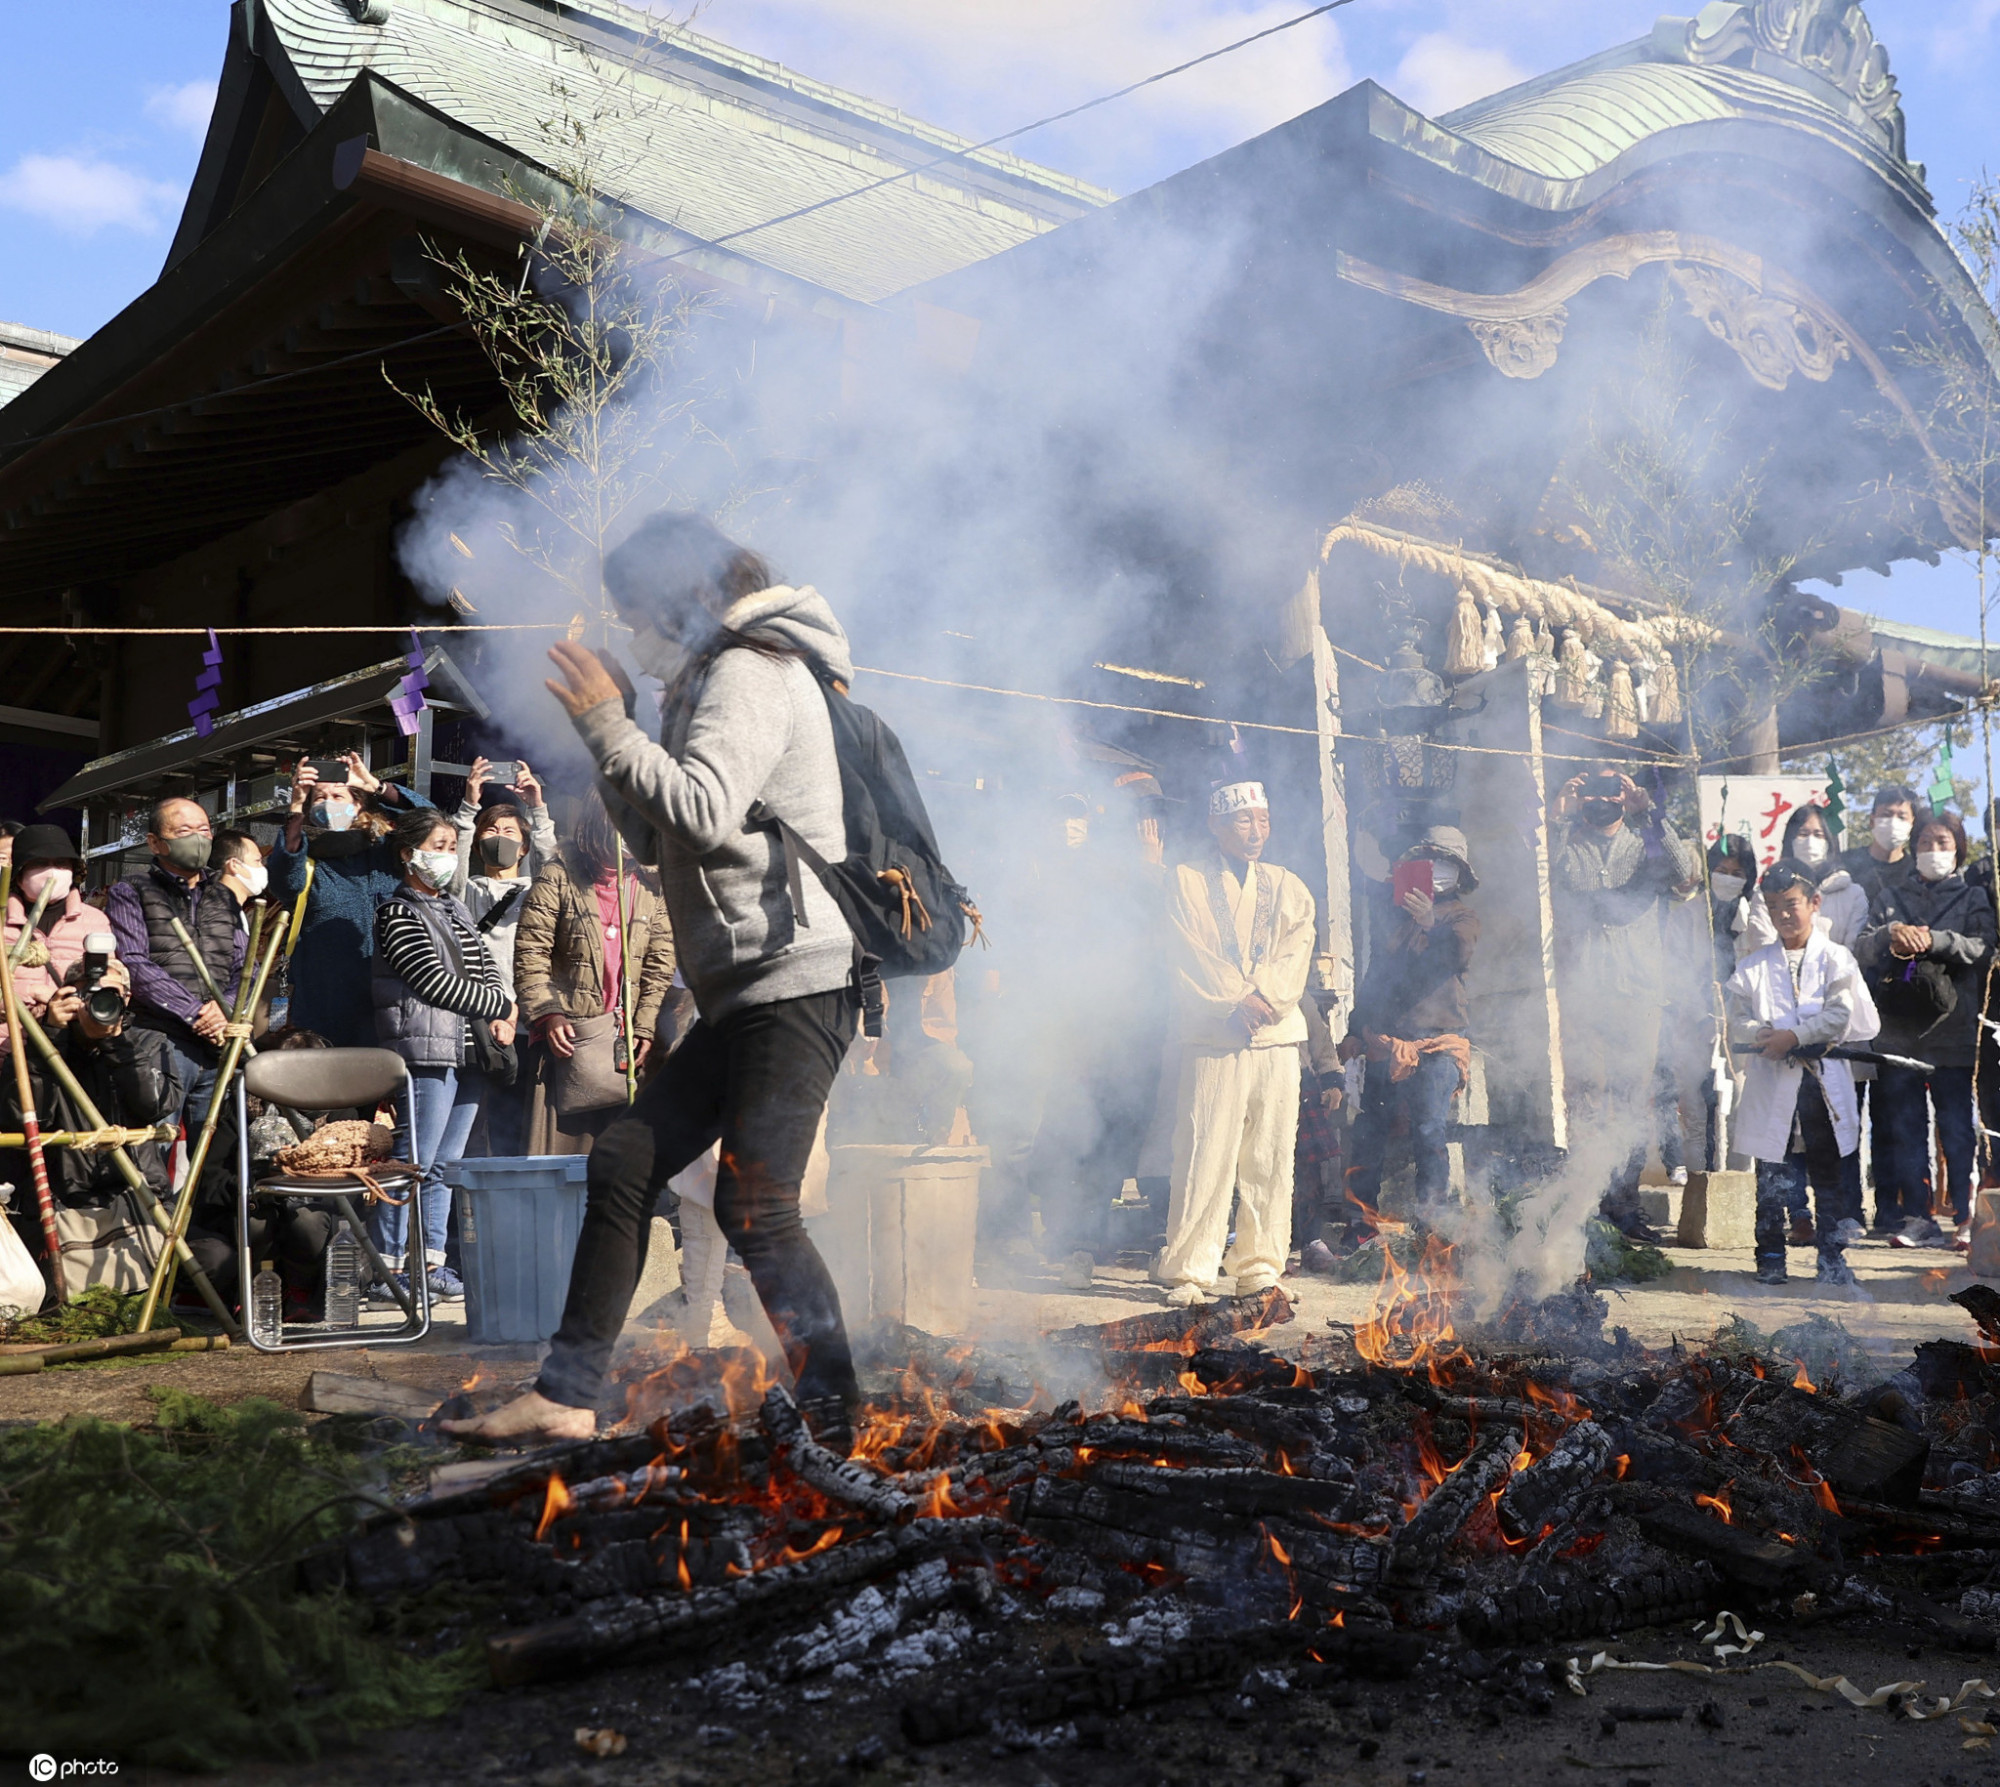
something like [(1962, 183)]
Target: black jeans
[(759, 1080)]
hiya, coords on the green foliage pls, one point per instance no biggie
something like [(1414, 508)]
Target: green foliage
[(1609, 1255), (93, 1314), (153, 1611)]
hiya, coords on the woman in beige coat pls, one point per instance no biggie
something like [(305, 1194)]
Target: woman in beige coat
[(568, 965)]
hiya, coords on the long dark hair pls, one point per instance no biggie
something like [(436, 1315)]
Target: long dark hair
[(676, 562), (593, 838)]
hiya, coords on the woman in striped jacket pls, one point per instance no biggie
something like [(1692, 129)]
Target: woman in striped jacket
[(433, 978)]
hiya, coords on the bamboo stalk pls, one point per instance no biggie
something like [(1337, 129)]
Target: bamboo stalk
[(128, 1170), (247, 995), (106, 1346), (625, 975), (163, 1133), (28, 930), (201, 968), (30, 1129)]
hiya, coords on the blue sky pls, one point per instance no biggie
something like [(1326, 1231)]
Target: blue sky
[(100, 129)]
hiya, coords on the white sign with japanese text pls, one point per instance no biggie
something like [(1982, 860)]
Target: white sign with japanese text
[(1758, 807)]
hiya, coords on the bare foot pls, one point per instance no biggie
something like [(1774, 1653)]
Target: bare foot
[(531, 1416)]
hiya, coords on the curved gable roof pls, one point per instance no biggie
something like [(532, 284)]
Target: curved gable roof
[(702, 138), (1806, 65)]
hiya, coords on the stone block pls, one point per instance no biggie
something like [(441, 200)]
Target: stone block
[(1984, 1259), (1719, 1210)]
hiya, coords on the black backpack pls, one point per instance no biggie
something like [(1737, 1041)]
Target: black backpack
[(907, 914)]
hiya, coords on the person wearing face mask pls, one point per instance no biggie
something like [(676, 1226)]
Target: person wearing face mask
[(1885, 855), (518, 816), (1928, 943), (1843, 904), (505, 836), (334, 850), (1411, 1021), (1609, 879), (570, 966), (169, 992), (47, 863), (433, 980)]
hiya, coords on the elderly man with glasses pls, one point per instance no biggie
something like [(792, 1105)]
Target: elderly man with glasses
[(169, 993)]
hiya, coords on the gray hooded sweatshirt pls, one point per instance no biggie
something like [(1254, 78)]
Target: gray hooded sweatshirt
[(755, 729)]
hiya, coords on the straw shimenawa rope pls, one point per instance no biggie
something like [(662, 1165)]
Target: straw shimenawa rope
[(1587, 614)]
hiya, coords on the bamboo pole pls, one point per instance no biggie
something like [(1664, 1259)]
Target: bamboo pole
[(625, 977), (201, 968), (128, 1169), (30, 1129), (27, 935), (101, 1140), (248, 992)]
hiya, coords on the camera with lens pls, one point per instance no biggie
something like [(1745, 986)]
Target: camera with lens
[(104, 1005)]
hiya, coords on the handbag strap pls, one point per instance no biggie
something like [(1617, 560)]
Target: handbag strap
[(501, 907)]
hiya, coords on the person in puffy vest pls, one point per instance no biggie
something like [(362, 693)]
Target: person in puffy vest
[(169, 993), (433, 977), (744, 721)]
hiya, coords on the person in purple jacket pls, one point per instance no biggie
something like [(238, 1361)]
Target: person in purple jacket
[(169, 993)]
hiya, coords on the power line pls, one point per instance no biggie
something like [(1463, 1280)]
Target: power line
[(29, 440), (1021, 130)]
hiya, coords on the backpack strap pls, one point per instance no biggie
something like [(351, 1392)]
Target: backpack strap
[(501, 907), (867, 975)]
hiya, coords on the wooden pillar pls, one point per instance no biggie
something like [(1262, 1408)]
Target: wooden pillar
[(1337, 903)]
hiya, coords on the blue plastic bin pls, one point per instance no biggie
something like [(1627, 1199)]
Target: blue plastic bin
[(518, 1220)]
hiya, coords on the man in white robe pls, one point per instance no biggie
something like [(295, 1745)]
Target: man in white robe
[(1242, 938), (1799, 1118)]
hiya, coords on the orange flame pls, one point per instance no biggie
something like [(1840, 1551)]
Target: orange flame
[(1718, 1504), (1623, 1463), (1409, 1319), (1802, 1379), (557, 1499), (1192, 1384), (681, 1569)]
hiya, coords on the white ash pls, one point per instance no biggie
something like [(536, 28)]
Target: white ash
[(1153, 1629), (1980, 1603), (1077, 1600), (734, 1685), (936, 1642), (866, 1620), (1007, 1735)]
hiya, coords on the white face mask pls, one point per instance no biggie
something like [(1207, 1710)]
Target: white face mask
[(254, 876), (334, 815), (1935, 865), (1726, 887), (435, 866), (1444, 878), (1891, 834), (656, 654), (1811, 849), (57, 881)]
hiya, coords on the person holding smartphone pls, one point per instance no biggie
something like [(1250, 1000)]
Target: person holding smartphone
[(1410, 1019), (335, 851)]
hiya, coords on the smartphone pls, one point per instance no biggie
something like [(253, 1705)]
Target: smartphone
[(502, 775), (1408, 875), (328, 769)]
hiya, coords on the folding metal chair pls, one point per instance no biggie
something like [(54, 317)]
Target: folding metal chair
[(332, 1080)]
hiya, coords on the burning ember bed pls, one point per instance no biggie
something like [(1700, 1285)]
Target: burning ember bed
[(1234, 1509)]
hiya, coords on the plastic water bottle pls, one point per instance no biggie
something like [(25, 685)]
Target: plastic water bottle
[(343, 1279), (267, 1305)]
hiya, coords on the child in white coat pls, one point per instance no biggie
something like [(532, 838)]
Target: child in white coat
[(1788, 1002)]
